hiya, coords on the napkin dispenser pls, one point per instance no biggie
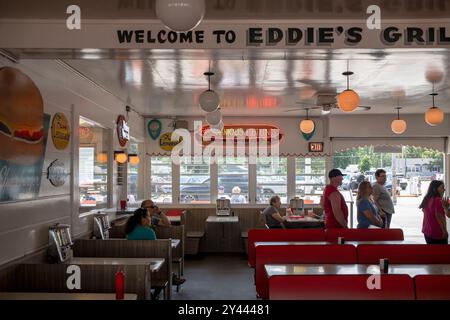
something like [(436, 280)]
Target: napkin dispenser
[(223, 207), (296, 205), (60, 243), (101, 226)]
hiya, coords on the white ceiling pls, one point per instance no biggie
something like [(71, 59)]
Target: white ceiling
[(267, 83)]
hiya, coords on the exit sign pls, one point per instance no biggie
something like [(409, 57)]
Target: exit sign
[(315, 146)]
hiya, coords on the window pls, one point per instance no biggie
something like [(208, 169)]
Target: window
[(195, 180), (271, 179), (93, 165), (233, 179), (133, 169), (161, 179), (309, 179)]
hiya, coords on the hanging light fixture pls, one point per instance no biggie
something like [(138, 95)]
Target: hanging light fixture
[(209, 99), (133, 159), (180, 15), (348, 100), (102, 157), (398, 125), (434, 115), (214, 118), (217, 129), (120, 156), (307, 125)]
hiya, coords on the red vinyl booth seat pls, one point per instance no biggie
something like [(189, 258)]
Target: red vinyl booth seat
[(404, 253), (305, 254), (332, 235), (432, 287), (269, 235), (340, 287)]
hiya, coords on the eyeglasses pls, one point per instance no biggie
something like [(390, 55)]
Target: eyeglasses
[(151, 207)]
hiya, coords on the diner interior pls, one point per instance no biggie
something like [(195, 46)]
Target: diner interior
[(95, 140)]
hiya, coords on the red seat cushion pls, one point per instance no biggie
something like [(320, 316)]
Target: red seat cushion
[(333, 234), (285, 254), (261, 235), (432, 287), (404, 253), (340, 287)]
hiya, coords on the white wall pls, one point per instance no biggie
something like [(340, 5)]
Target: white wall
[(24, 224)]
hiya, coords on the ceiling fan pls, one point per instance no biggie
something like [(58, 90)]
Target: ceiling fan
[(325, 102)]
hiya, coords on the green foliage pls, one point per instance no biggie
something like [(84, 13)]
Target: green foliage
[(365, 164)]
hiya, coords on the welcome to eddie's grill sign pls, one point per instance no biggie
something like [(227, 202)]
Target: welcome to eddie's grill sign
[(312, 34), (290, 36)]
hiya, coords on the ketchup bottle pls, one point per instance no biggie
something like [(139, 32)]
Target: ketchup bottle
[(120, 285)]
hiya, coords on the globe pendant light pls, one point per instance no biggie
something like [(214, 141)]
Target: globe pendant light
[(398, 125), (307, 125), (217, 129), (434, 116), (133, 159), (209, 100), (348, 100), (214, 118), (180, 15)]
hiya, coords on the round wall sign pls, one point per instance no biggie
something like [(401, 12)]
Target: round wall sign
[(60, 131), (123, 131), (166, 143), (56, 173)]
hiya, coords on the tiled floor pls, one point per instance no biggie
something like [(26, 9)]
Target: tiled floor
[(217, 277)]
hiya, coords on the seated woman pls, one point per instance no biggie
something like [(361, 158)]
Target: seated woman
[(367, 211), (273, 218), (138, 227)]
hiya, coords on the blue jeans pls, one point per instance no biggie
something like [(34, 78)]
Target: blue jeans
[(387, 220)]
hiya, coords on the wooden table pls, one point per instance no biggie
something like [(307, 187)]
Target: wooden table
[(62, 296), (358, 269), (293, 222), (155, 264), (222, 219)]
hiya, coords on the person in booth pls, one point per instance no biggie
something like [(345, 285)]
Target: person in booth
[(157, 217), (435, 207), (336, 210), (138, 227), (272, 215), (367, 211)]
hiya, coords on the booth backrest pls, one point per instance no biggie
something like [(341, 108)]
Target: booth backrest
[(340, 287), (119, 248), (404, 253), (173, 232), (261, 235), (94, 279), (286, 254), (333, 234), (432, 287)]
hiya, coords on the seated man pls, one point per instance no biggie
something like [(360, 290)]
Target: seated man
[(273, 217), (157, 217)]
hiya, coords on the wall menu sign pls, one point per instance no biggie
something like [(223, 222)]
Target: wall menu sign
[(245, 132), (301, 34), (123, 131), (315, 146), (60, 131)]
